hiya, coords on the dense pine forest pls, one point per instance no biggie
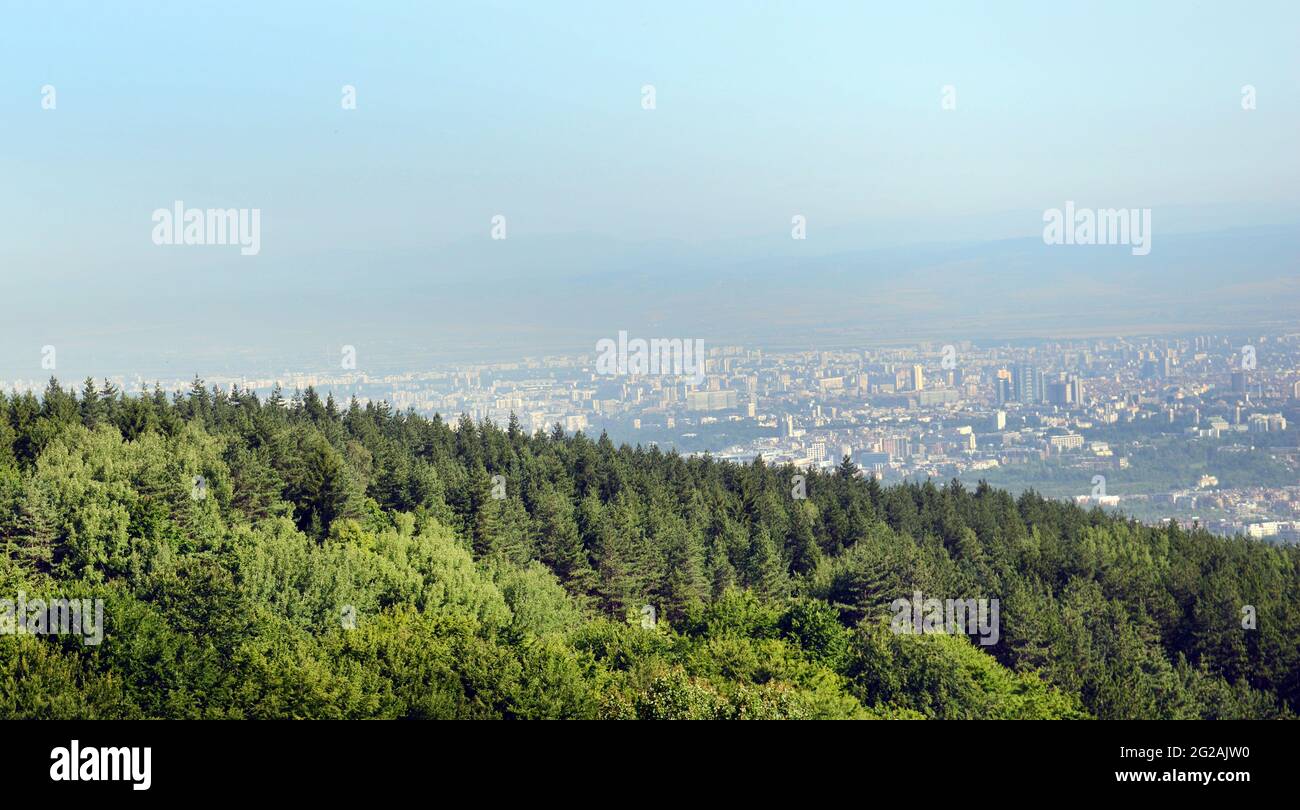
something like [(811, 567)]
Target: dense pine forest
[(298, 557)]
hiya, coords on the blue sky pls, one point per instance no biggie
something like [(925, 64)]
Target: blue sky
[(532, 110)]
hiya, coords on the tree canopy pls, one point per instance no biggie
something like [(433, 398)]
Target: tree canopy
[(290, 558)]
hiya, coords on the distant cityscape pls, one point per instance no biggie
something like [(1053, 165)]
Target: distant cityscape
[(1193, 429)]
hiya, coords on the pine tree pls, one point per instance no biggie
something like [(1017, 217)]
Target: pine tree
[(683, 585), (59, 406), (627, 565), (484, 518), (91, 408), (763, 570), (555, 535), (33, 543), (801, 551), (722, 574)]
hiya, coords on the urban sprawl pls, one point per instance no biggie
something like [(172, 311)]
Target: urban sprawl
[(1195, 429)]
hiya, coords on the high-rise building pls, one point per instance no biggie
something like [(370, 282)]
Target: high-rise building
[(1027, 384), (917, 380), (1058, 391), (711, 400), (1003, 391), (1065, 390), (897, 447)]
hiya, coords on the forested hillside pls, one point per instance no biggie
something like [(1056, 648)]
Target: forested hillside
[(301, 558)]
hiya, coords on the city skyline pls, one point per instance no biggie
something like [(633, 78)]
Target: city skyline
[(1061, 417), (577, 360)]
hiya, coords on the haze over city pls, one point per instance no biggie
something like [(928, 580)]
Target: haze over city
[(823, 218), (754, 359), (669, 151)]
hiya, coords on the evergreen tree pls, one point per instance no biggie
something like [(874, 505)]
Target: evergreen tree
[(91, 408)]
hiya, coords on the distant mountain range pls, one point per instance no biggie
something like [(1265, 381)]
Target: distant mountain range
[(213, 312)]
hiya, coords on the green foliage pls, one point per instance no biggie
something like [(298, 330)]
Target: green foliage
[(945, 677), (361, 563)]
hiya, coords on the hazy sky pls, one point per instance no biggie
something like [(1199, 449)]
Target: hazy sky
[(534, 111)]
